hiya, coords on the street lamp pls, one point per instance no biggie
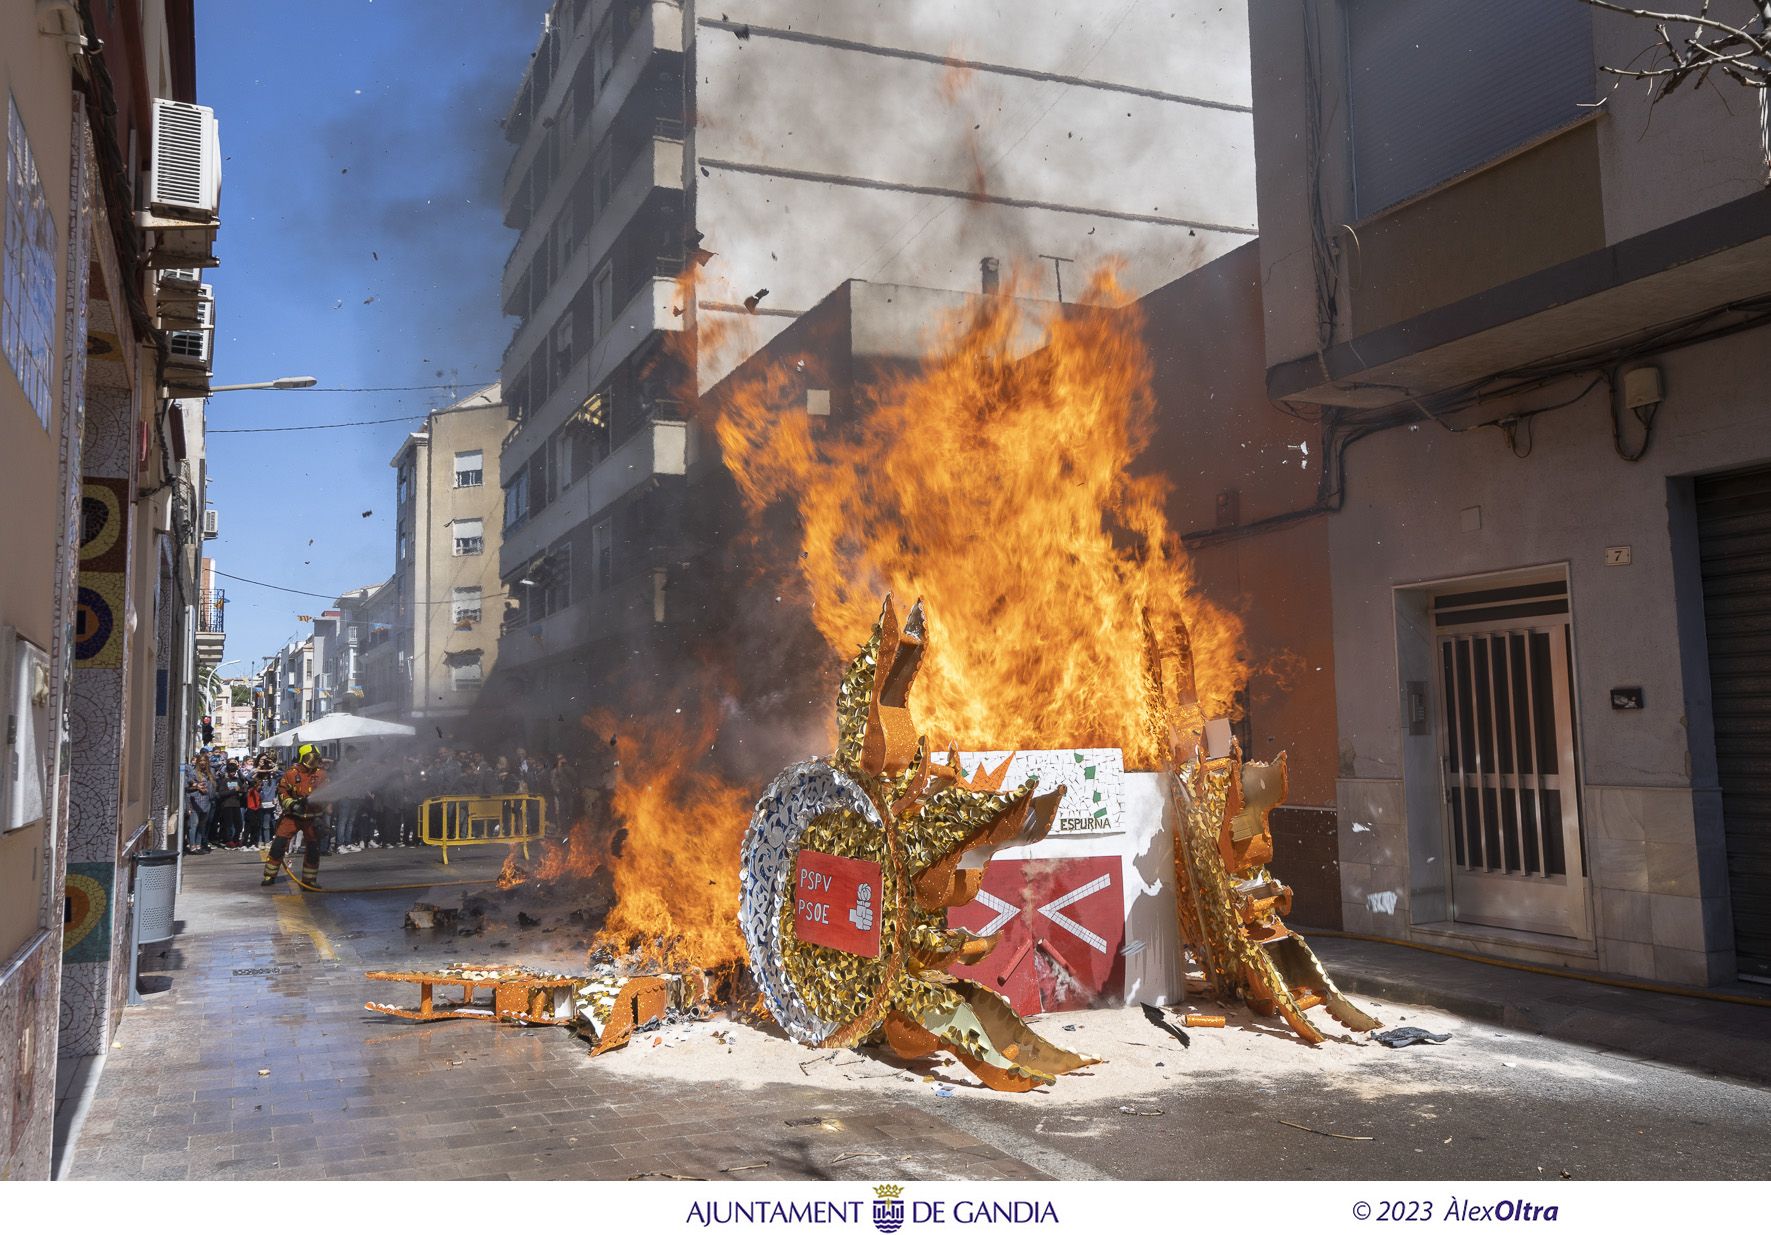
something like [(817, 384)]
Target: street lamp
[(281, 383)]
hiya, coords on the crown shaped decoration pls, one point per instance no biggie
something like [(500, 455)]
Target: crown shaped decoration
[(888, 1191)]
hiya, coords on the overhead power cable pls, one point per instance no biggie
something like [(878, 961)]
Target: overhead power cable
[(340, 424), (372, 389), (295, 591)]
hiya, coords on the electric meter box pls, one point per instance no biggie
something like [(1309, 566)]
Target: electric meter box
[(24, 688)]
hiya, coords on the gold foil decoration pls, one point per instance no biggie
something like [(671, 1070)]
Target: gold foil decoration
[(1231, 906), (931, 830)]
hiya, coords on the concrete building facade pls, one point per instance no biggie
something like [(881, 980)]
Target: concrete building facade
[(762, 147), (289, 681), (1529, 324), (233, 721), (383, 677), (102, 505), (340, 639), (446, 597)]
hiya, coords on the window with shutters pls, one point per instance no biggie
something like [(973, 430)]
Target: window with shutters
[(1437, 92), (466, 606), (469, 536), (470, 469)]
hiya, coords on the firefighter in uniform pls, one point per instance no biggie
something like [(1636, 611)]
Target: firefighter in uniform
[(299, 814)]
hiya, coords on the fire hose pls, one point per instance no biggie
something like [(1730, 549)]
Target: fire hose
[(380, 887)]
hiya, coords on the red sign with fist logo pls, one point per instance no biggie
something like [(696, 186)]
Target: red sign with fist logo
[(836, 902)]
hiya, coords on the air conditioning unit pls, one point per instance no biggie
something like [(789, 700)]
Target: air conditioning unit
[(211, 524), (185, 175), (192, 348)]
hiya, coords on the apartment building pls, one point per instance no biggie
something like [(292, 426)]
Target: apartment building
[(1529, 311), (341, 637), (267, 699), (383, 678), (446, 596), (99, 342), (762, 146), (233, 720), (289, 683)]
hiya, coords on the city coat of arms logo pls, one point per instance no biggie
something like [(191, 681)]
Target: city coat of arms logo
[(888, 1208)]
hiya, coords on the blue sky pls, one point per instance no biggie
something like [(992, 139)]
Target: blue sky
[(361, 242)]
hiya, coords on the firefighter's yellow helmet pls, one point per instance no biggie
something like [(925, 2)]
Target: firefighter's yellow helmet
[(304, 750)]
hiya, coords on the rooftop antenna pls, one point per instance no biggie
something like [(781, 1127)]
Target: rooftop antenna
[(1057, 270)]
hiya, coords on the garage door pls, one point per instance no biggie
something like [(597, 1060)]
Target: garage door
[(1734, 529)]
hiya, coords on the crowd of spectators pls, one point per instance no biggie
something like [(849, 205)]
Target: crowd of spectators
[(230, 803), (374, 796)]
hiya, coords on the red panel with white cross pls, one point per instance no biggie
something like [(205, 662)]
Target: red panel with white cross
[(836, 902), (1062, 922)]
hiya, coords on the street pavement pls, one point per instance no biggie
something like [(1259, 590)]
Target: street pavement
[(253, 1057)]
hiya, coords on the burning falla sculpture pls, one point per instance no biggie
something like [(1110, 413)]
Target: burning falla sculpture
[(850, 865), (1231, 908)]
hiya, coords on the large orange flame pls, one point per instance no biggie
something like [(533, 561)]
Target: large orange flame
[(998, 484), (676, 865)]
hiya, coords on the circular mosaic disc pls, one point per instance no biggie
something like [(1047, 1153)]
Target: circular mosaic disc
[(812, 991)]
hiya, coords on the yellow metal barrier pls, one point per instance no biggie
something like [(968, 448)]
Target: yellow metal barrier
[(476, 819)]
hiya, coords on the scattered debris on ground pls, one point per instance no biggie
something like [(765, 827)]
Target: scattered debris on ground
[(425, 917), (605, 1007), (1408, 1035), (1339, 1136)]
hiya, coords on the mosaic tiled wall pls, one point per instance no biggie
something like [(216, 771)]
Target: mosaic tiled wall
[(30, 982), (95, 967), (27, 1061)]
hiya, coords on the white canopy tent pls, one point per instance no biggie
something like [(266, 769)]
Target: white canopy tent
[(339, 727)]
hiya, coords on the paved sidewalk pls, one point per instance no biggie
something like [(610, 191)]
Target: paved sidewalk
[(258, 1059), (1705, 1035)]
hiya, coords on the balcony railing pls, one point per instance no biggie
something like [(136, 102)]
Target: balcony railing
[(210, 611)]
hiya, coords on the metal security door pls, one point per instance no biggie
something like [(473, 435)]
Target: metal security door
[(1734, 532), (1507, 746)]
